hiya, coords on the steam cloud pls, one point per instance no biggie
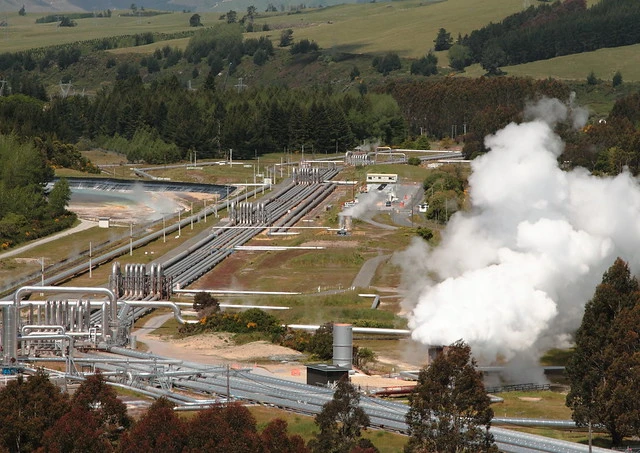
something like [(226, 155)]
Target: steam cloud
[(512, 275)]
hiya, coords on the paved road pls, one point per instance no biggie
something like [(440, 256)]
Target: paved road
[(84, 225), (368, 271)]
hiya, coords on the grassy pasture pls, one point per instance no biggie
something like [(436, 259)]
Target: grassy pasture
[(23, 33), (603, 62), (305, 427), (407, 27)]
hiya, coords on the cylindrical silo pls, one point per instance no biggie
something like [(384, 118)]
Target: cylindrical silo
[(342, 345)]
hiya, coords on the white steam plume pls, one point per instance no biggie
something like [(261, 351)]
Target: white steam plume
[(513, 273), (366, 202)]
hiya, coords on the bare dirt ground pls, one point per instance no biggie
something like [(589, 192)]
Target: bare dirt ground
[(263, 357)]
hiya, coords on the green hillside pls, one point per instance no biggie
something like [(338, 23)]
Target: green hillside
[(407, 27), (603, 62)]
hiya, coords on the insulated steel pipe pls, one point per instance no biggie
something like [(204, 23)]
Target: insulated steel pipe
[(11, 313)]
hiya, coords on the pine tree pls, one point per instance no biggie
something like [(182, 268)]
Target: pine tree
[(603, 369)]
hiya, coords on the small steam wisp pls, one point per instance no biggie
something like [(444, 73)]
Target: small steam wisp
[(512, 275)]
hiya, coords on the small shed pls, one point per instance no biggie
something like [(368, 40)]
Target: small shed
[(323, 374), (104, 222)]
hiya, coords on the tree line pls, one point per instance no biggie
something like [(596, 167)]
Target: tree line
[(552, 30), (27, 211), (610, 145), (473, 108), (36, 416), (254, 121), (449, 411)]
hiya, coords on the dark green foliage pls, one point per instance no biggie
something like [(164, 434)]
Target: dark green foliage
[(25, 212), (152, 64), (341, 421), (362, 357), (65, 21), (126, 71), (59, 197), (443, 192), (603, 367), (387, 63), (592, 79), (355, 72), (425, 233), (439, 180), (449, 409), (67, 57), (558, 28), (158, 122), (144, 146), (304, 46), (232, 17), (221, 41), (248, 321), (28, 408), (205, 302), (493, 57), (617, 79), (321, 343), (415, 161), (22, 11), (56, 17), (286, 38), (459, 57), (194, 21), (426, 66), (260, 57), (252, 45), (443, 41), (61, 154)]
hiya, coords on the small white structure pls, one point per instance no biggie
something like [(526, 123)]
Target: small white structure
[(104, 222), (382, 178)]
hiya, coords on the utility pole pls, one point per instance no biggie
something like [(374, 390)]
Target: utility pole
[(42, 271), (228, 386), (90, 267), (164, 234), (130, 238), (205, 210), (179, 222), (192, 215)]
